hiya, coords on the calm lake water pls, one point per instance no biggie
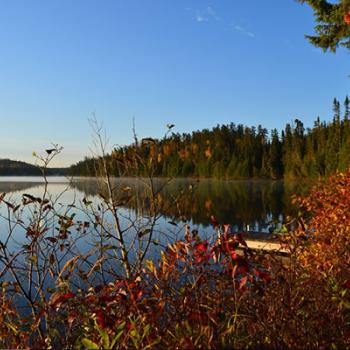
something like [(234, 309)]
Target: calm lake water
[(256, 205)]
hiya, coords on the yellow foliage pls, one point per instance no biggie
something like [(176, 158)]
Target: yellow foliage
[(208, 153)]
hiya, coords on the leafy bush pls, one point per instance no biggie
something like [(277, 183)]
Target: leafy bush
[(307, 303)]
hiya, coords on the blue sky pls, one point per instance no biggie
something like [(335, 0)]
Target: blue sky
[(192, 63)]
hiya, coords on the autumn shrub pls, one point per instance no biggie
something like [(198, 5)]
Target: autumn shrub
[(307, 304), (12, 333), (194, 297)]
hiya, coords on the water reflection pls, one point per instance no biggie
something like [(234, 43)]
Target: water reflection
[(257, 204), (10, 187)]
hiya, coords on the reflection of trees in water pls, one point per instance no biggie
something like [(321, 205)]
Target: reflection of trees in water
[(235, 202), (11, 187)]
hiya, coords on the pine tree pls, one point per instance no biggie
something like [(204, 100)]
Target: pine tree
[(334, 139), (332, 24), (336, 111), (344, 152), (275, 158), (346, 108)]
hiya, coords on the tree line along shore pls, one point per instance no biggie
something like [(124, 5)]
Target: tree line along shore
[(236, 151)]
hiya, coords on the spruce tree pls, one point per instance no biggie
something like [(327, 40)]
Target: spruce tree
[(333, 142), (346, 108), (275, 165), (332, 24)]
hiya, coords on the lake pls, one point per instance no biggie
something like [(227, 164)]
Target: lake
[(254, 205), (76, 220)]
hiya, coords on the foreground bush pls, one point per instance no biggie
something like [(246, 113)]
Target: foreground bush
[(202, 295), (307, 304)]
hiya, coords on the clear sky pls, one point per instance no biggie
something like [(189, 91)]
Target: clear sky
[(194, 63)]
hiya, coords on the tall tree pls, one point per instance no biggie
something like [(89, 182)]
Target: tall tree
[(276, 167), (334, 139), (346, 108), (332, 24)]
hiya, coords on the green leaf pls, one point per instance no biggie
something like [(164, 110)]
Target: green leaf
[(104, 336), (146, 331), (188, 327), (121, 326), (12, 327), (116, 338), (135, 334), (151, 345), (108, 247), (347, 305), (89, 344), (177, 330), (105, 339)]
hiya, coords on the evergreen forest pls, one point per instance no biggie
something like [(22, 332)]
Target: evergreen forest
[(236, 152), (17, 168)]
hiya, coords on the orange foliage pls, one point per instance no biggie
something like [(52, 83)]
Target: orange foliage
[(347, 18), (328, 230), (208, 153), (307, 304)]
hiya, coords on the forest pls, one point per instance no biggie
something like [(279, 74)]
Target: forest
[(17, 168), (237, 151), (12, 167)]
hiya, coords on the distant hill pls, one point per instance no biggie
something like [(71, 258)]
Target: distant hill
[(236, 152), (17, 168)]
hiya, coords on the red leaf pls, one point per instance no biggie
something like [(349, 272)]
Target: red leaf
[(263, 275), (243, 282), (197, 316), (57, 300), (226, 230), (233, 254), (68, 296), (214, 221), (100, 318), (202, 247), (346, 284), (71, 318), (51, 239), (105, 298), (139, 294), (201, 252)]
